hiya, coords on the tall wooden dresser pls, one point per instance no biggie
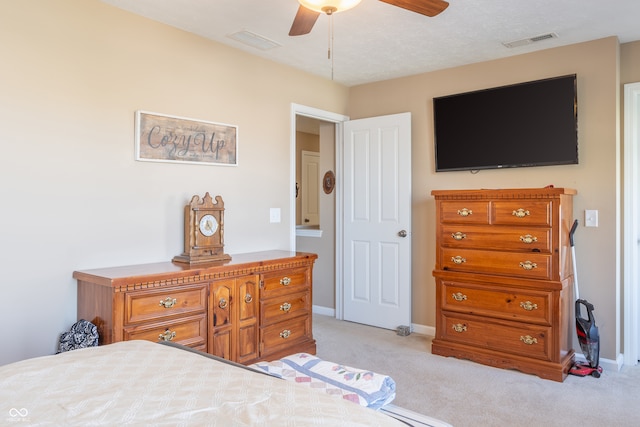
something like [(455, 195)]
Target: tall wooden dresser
[(255, 307), (504, 278)]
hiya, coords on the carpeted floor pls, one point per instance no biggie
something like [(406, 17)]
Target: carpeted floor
[(464, 393)]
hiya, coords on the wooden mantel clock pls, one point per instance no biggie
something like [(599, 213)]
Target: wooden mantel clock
[(203, 231)]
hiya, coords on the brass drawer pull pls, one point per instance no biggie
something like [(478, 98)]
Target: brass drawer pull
[(465, 212), (248, 298), (459, 327), (285, 281), (528, 265), (223, 303), (458, 259), (167, 335), (528, 239), (458, 235), (529, 340), (168, 302), (285, 334), (285, 307), (528, 305), (459, 296), (520, 213)]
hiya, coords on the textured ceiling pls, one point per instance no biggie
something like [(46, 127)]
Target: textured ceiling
[(376, 41)]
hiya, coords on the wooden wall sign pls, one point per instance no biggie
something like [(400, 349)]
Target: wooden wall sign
[(162, 138)]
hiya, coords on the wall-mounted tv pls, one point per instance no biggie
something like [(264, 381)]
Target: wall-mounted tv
[(525, 124)]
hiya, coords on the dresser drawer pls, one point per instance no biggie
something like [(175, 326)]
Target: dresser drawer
[(522, 239), (464, 212), (283, 283), (494, 301), (522, 212), (527, 265), (283, 334), (190, 331), (150, 305), (277, 309), (523, 339)]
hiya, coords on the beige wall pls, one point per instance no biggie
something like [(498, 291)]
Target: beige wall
[(73, 74), (75, 71), (630, 62), (595, 177)]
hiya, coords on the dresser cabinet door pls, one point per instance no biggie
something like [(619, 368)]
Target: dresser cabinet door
[(234, 305), (247, 301), (221, 343)]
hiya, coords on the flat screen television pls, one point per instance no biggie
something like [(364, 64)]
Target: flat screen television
[(525, 124)]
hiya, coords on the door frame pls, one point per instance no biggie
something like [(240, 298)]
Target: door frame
[(631, 223), (338, 119)]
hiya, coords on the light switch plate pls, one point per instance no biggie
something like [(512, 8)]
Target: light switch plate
[(590, 218), (274, 215)]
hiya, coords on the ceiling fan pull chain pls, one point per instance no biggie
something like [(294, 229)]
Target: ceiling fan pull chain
[(329, 53)]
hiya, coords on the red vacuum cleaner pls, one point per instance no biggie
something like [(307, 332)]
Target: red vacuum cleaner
[(586, 328)]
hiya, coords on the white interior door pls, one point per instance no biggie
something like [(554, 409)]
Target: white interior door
[(377, 221), (310, 188)]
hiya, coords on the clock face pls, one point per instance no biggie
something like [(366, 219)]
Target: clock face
[(208, 225)]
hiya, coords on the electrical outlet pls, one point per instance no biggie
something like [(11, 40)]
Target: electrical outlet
[(590, 218)]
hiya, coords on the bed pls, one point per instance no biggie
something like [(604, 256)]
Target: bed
[(144, 383)]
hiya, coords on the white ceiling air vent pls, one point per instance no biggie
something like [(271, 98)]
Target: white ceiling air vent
[(523, 42), (253, 40)]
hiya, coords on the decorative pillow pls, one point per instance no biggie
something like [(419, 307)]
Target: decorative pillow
[(82, 334)]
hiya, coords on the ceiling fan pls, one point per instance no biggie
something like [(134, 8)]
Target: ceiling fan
[(309, 10)]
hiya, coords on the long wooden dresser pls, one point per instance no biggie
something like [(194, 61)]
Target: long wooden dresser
[(504, 278), (255, 307)]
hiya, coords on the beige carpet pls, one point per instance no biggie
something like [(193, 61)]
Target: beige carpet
[(464, 393)]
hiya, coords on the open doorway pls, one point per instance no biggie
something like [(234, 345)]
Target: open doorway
[(308, 125)]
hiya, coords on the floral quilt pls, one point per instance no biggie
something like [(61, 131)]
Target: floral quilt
[(360, 386)]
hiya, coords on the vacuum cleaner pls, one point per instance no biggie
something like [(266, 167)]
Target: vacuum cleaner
[(585, 327)]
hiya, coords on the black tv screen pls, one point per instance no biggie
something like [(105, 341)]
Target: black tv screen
[(526, 124)]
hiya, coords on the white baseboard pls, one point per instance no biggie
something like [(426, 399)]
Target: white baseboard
[(606, 364), (418, 329), (423, 330), (325, 311)]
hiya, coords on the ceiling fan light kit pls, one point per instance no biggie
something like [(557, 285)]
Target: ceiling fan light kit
[(309, 10), (329, 6)]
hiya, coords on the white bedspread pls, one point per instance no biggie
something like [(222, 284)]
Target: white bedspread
[(142, 383)]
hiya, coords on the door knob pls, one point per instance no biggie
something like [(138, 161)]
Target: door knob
[(402, 233)]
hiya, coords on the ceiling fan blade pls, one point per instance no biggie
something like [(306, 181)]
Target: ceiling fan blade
[(303, 22), (423, 7)]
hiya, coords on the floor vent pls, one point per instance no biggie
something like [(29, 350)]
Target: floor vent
[(524, 42)]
